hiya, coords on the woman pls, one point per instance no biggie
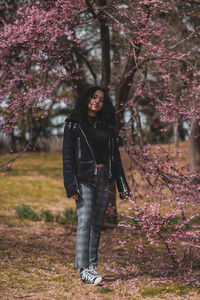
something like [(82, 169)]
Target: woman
[(91, 162)]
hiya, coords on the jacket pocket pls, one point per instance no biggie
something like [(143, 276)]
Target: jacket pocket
[(79, 147)]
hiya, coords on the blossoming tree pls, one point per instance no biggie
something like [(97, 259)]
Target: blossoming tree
[(148, 60)]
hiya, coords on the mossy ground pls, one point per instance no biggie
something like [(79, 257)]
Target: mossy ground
[(37, 258)]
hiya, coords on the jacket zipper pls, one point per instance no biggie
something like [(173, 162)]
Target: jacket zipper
[(110, 174), (86, 162), (112, 150), (78, 191), (79, 148), (95, 170), (123, 185)]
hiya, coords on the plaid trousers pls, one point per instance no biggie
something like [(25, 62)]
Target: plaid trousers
[(92, 204)]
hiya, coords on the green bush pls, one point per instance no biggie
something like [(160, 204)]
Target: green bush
[(69, 216), (26, 212), (47, 216), (60, 219)]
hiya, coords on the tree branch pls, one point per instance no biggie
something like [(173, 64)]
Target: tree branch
[(139, 127), (105, 47), (183, 40), (168, 249), (88, 65), (91, 9), (8, 164), (47, 72)]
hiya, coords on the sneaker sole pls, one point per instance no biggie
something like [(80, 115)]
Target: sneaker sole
[(97, 281)]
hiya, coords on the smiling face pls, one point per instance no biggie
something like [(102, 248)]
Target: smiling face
[(96, 103)]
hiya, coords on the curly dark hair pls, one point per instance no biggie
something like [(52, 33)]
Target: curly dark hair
[(106, 115)]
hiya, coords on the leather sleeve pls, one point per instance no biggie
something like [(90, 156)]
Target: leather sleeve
[(69, 160), (118, 170)]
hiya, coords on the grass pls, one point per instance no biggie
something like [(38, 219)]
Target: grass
[(176, 289), (37, 244), (105, 290), (36, 180)]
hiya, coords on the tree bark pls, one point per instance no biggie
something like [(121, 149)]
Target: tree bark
[(122, 94), (175, 134), (110, 217), (125, 84), (139, 127), (105, 47), (194, 146)]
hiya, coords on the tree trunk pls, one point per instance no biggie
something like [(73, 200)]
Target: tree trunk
[(123, 90), (105, 47), (111, 216), (175, 134), (13, 142), (139, 127), (194, 146)]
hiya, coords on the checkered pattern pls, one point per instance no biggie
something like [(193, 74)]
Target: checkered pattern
[(92, 204)]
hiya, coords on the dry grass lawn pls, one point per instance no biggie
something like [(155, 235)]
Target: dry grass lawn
[(37, 258)]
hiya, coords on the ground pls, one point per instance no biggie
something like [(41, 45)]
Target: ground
[(37, 257)]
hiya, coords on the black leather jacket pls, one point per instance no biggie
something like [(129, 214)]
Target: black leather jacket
[(79, 161)]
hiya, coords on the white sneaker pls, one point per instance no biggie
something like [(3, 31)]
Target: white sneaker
[(94, 272), (90, 278)]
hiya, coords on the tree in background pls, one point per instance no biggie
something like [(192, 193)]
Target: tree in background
[(146, 53), (130, 35)]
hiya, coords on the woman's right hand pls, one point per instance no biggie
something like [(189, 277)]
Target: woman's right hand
[(75, 196)]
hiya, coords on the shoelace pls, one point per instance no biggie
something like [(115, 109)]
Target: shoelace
[(94, 272), (88, 276)]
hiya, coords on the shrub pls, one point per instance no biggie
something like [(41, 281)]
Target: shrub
[(47, 216), (69, 216), (26, 212)]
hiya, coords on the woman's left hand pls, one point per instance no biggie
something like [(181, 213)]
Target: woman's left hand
[(75, 196)]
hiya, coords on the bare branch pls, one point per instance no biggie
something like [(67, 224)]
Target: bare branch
[(8, 164), (47, 72), (88, 65), (183, 40), (91, 9), (167, 247), (139, 64)]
